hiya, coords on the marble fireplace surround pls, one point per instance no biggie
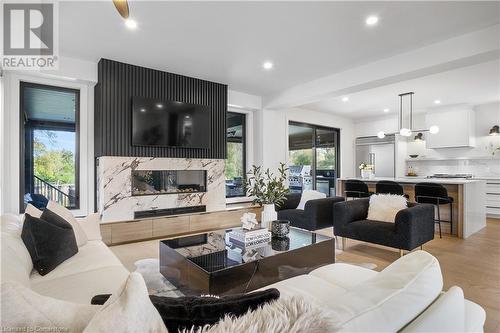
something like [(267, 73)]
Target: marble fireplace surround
[(114, 186)]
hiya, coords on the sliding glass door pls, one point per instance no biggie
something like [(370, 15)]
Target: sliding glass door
[(313, 157)]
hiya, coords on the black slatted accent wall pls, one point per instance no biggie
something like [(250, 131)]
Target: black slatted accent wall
[(119, 82)]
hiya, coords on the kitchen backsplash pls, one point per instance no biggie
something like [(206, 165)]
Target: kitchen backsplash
[(481, 168)]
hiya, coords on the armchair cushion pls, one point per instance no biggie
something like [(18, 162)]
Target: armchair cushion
[(308, 195), (317, 214), (384, 207), (291, 202)]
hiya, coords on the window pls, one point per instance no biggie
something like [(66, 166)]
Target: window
[(49, 145), (313, 153), (236, 155)]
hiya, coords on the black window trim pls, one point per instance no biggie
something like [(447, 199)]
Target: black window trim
[(244, 142), (22, 86), (314, 146)]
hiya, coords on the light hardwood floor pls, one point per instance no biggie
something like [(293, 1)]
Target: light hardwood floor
[(472, 264)]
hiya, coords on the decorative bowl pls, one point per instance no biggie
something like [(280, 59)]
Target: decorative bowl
[(280, 228)]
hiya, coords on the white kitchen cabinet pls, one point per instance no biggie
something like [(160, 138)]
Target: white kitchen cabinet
[(456, 128), (493, 197)]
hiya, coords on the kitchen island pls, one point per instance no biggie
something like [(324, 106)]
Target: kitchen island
[(469, 212)]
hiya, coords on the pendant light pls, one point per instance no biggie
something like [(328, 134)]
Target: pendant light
[(405, 119)]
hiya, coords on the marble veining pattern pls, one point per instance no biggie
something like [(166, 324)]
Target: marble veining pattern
[(114, 186)]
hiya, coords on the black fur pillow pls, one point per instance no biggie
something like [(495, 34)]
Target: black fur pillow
[(185, 312), (50, 240)]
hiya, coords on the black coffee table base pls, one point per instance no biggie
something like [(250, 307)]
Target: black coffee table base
[(191, 279)]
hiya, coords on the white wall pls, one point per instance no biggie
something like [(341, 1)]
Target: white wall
[(274, 136)]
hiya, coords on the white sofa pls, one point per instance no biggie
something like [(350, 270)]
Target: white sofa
[(405, 297), (93, 270)]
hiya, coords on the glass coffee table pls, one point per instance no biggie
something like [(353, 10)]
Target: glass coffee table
[(210, 263)]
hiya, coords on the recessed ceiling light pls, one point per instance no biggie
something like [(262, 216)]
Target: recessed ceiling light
[(371, 20), (267, 65), (131, 24), (437, 101), (345, 99), (386, 110)]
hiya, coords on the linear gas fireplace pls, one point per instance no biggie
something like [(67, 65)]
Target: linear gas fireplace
[(154, 182)]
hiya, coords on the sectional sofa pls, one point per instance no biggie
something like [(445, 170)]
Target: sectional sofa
[(406, 297)]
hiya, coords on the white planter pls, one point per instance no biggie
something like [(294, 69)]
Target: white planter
[(268, 214)]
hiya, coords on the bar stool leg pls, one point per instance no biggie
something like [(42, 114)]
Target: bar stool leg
[(451, 218), (439, 221)]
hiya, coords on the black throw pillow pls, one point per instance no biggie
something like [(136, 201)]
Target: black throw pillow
[(50, 240), (191, 311)]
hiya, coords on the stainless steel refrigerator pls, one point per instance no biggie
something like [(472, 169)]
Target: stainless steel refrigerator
[(381, 153)]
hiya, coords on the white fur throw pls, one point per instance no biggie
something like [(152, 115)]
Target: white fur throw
[(384, 207), (286, 315)]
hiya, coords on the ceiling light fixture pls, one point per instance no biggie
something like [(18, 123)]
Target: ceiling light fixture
[(381, 135), (434, 129), (437, 101), (345, 99), (267, 65), (386, 110), (131, 24), (371, 20), (419, 137), (405, 119)]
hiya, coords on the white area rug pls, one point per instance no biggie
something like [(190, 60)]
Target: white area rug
[(157, 284)]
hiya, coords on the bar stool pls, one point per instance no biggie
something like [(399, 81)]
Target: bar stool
[(355, 188), (437, 195), (390, 187)]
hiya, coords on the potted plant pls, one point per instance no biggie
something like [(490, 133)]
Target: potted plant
[(268, 190)]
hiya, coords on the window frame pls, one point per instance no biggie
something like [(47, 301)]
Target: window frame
[(244, 148), (22, 138), (314, 128)]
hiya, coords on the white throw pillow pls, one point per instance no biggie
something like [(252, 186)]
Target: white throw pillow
[(91, 225), (65, 213), (309, 195), (384, 207), (129, 310), (23, 310), (33, 211)]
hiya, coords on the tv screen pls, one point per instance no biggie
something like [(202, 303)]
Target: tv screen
[(169, 123)]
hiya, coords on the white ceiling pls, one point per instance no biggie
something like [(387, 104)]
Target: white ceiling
[(476, 84), (228, 41)]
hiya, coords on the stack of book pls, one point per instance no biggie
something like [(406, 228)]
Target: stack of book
[(250, 238)]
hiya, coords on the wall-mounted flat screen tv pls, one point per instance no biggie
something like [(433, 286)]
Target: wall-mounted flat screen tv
[(169, 123)]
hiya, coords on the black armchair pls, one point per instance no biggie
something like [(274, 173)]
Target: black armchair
[(413, 227), (317, 213)]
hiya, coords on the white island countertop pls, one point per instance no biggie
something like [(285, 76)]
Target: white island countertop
[(413, 180)]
